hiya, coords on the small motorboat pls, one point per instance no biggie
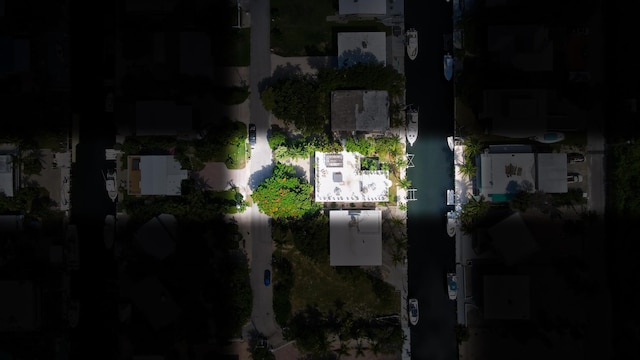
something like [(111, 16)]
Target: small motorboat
[(411, 37), (414, 315), (448, 66), (452, 286), (412, 126), (110, 184)]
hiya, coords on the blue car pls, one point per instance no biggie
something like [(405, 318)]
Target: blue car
[(267, 277)]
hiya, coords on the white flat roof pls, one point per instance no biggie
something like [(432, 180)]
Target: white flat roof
[(507, 173), (339, 178), (355, 237), (361, 47)]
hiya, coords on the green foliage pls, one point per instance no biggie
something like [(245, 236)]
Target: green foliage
[(284, 195), (404, 183), (369, 164), (277, 138), (389, 147), (362, 145), (282, 285), (305, 101), (462, 333), (473, 213), (295, 101), (311, 236)]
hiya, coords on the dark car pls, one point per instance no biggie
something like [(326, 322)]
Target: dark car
[(267, 277), (252, 135), (575, 157)]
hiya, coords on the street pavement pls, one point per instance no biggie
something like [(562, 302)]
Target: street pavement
[(255, 225)]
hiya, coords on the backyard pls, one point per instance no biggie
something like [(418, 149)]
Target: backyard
[(301, 30)]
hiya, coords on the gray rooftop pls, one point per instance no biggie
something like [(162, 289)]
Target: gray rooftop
[(552, 172), (6, 175), (362, 7), (360, 110)]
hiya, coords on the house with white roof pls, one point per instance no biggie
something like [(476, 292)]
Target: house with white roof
[(338, 177), (503, 175), (154, 175), (355, 237)]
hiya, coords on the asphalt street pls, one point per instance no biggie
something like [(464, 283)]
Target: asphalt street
[(432, 251), (262, 317)]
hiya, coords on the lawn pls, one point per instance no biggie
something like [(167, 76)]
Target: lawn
[(238, 49), (301, 28), (320, 285), (234, 156)]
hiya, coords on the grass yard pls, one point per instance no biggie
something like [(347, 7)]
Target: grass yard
[(301, 28), (321, 285), (234, 156), (238, 52), (226, 195)]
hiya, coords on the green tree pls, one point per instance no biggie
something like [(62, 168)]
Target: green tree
[(284, 195), (468, 169), (277, 138), (473, 213), (404, 183)]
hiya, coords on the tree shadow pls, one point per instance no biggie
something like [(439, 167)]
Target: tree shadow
[(319, 62), (356, 56), (259, 176), (280, 72), (300, 172)]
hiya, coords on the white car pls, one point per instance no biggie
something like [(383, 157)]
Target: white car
[(574, 178), (414, 315), (452, 286)]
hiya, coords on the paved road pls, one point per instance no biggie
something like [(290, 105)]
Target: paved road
[(432, 251), (261, 248)]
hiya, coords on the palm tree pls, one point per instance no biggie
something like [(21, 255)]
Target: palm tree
[(360, 349), (472, 147), (342, 350), (404, 183), (472, 212), (468, 169)]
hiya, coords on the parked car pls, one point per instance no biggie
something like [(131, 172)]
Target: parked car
[(574, 178), (575, 158), (267, 277), (252, 135)]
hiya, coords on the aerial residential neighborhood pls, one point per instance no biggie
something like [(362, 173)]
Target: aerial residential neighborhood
[(381, 179)]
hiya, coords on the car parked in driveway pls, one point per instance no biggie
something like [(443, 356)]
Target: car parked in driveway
[(574, 178), (267, 277), (252, 135), (575, 158)]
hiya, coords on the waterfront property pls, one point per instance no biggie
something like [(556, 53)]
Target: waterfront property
[(360, 47), (154, 175), (339, 178), (355, 237), (360, 110)]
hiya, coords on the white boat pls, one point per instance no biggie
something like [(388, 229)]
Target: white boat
[(412, 126), (452, 223), (110, 184), (414, 314), (452, 286), (448, 66), (411, 38), (548, 137)]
